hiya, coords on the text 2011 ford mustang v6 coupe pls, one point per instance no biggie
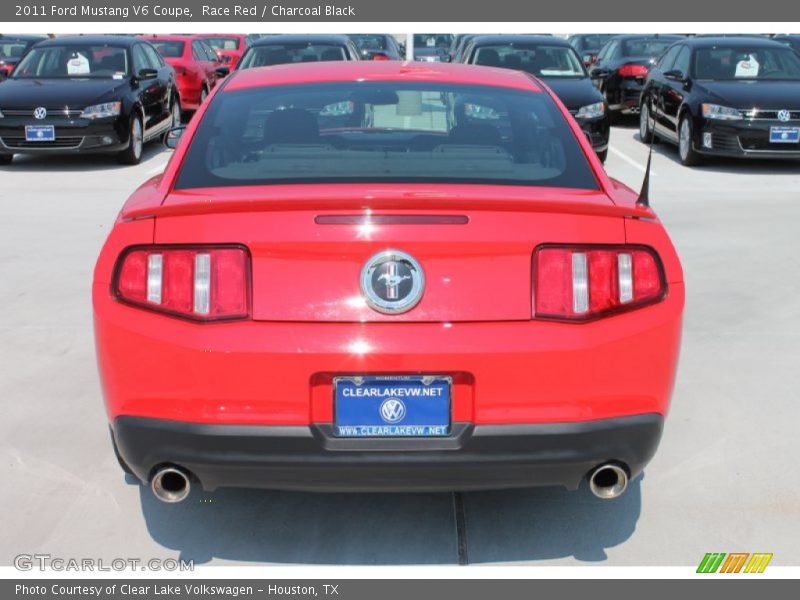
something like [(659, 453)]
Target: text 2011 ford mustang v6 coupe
[(386, 276)]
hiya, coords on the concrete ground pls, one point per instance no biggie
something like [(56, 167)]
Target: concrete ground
[(725, 478)]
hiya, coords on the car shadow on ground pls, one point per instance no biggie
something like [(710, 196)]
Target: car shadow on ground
[(73, 163), (259, 526), (629, 125)]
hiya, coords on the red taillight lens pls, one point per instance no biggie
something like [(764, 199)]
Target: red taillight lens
[(204, 283), (585, 282), (633, 71)]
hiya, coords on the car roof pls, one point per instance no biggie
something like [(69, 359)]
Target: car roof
[(90, 40), (312, 38), (25, 37), (172, 37), (732, 42), (670, 37), (498, 40), (344, 71)]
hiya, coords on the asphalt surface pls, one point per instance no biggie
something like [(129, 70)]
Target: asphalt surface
[(725, 477)]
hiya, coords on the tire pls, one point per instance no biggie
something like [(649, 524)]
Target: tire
[(603, 155), (686, 152), (132, 155), (177, 112), (646, 135), (5, 159), (203, 95)]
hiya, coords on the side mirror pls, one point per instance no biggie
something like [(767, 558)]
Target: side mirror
[(173, 136), (222, 71), (675, 75), (145, 74)]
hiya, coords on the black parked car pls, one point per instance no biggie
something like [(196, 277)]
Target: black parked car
[(87, 94), (622, 66), (432, 47), (726, 97), (12, 48), (290, 48), (377, 46), (588, 45), (556, 62)]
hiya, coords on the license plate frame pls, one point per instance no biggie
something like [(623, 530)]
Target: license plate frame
[(784, 135), (386, 407), (40, 133)]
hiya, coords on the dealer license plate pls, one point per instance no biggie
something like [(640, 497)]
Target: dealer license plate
[(392, 406), (784, 135), (40, 133)]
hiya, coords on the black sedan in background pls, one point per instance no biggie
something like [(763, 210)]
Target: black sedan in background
[(12, 48), (622, 66), (791, 40), (377, 46), (588, 45), (725, 96), (432, 47), (87, 94), (290, 48), (555, 62)]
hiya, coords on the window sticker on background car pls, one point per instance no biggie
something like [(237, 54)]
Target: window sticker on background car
[(747, 67), (78, 65), (119, 75)]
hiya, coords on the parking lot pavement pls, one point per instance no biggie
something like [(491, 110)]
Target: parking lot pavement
[(724, 479)]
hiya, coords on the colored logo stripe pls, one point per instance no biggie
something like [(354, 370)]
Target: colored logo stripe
[(717, 561)]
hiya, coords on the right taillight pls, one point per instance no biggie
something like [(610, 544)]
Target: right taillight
[(633, 71), (579, 283), (205, 283)]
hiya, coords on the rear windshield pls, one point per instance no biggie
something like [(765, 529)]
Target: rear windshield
[(223, 43), (369, 42), (432, 40), (169, 48), (747, 63), (595, 42), (544, 61), (281, 54), (646, 47), (384, 132), (74, 61)]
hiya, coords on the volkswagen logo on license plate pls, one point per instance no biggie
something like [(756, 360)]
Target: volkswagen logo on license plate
[(784, 115), (393, 410), (40, 112), (392, 282)]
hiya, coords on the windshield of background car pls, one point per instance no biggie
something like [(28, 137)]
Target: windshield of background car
[(11, 48), (74, 61), (223, 43), (650, 47), (281, 54), (544, 61), (369, 42), (593, 43), (432, 40), (384, 132), (750, 64), (169, 48)]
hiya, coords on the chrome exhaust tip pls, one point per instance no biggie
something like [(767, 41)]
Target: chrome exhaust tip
[(608, 481), (170, 484)]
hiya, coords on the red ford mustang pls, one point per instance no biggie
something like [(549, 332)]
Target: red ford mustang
[(386, 276)]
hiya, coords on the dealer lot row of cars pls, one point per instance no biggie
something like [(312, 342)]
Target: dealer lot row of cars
[(709, 96)]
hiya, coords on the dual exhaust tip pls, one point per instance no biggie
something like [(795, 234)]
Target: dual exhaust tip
[(608, 481), (171, 484)]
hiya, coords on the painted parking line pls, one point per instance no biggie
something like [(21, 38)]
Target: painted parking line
[(630, 161)]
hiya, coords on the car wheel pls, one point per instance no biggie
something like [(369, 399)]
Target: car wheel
[(603, 155), (177, 113), (645, 131), (686, 152), (203, 95), (132, 155), (5, 159)]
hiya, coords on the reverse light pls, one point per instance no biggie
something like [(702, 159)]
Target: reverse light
[(723, 113), (580, 283), (205, 283), (101, 111), (633, 71)]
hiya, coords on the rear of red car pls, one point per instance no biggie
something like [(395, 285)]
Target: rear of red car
[(257, 327), (229, 47)]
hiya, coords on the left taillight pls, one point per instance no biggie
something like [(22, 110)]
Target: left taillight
[(634, 71), (204, 283), (580, 283)]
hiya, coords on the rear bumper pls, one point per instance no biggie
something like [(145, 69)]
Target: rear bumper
[(309, 458)]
